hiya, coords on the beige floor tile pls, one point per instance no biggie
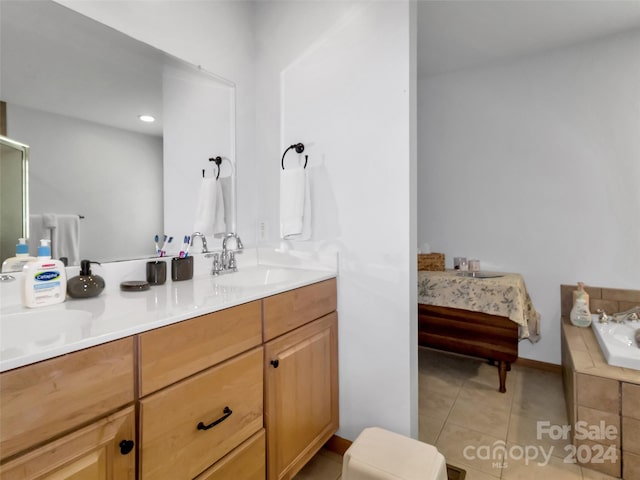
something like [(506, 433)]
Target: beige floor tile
[(486, 394), (481, 417), (556, 469), (324, 466), (432, 400), (463, 448), (540, 395), (429, 428), (588, 474), (525, 431)]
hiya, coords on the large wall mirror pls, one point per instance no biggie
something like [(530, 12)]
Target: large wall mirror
[(74, 90)]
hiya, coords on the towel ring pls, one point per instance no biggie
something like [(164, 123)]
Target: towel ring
[(218, 161), (299, 147)]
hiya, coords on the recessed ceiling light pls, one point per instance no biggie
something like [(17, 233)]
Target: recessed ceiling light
[(147, 118)]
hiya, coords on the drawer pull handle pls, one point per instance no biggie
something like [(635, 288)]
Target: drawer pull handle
[(227, 411), (275, 363), (126, 446)]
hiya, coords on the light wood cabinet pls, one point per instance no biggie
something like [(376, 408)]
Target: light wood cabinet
[(289, 310), (171, 353), (301, 395), (243, 393), (44, 400), (100, 451), (247, 462), (187, 427)]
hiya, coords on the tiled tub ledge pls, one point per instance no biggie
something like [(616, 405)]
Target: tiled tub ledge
[(597, 392)]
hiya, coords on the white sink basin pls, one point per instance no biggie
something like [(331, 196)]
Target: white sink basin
[(255, 277), (617, 342), (34, 331)]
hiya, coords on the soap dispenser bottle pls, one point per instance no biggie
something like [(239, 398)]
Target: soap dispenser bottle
[(85, 285), (45, 279), (15, 264), (580, 315)]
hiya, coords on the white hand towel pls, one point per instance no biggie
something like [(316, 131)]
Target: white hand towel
[(295, 204), (66, 238), (210, 208), (226, 185), (49, 220)]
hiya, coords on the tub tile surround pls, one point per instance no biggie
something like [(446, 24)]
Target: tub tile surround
[(598, 392)]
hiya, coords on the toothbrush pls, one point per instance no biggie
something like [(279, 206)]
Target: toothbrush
[(184, 246), (186, 250), (163, 252), (156, 238)]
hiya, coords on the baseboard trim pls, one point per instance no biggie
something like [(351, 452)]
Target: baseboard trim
[(337, 444), (547, 367)]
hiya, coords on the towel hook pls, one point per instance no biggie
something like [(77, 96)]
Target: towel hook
[(218, 161), (299, 147)]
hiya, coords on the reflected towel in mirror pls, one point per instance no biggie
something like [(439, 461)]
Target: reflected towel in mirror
[(295, 204), (209, 218), (62, 229), (226, 185)]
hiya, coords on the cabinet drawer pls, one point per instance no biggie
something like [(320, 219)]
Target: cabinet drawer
[(247, 462), (172, 353), (289, 310), (172, 445), (92, 452), (46, 399)]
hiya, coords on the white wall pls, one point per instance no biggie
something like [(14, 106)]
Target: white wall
[(532, 166), (336, 77), (81, 167)]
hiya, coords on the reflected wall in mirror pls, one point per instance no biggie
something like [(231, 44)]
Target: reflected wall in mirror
[(14, 194), (75, 89)]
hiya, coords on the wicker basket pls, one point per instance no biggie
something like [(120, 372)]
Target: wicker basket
[(431, 261)]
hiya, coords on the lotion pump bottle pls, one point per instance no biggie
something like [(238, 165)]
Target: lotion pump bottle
[(15, 264), (45, 280), (85, 285), (580, 315)]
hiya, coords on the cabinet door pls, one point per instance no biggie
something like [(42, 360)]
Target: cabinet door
[(301, 382), (101, 451)]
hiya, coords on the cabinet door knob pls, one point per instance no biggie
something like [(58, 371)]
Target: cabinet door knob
[(227, 411), (275, 363), (126, 446)]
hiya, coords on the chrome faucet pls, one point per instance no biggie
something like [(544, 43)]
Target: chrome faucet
[(226, 261), (204, 241), (633, 314)]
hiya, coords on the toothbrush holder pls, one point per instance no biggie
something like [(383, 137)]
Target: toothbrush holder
[(181, 269), (156, 272)]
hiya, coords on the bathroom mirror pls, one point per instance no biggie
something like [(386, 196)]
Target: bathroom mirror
[(74, 90), (14, 194)]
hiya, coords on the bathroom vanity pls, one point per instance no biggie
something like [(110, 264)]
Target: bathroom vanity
[(248, 391)]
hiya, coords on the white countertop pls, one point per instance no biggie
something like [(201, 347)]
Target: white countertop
[(29, 335)]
